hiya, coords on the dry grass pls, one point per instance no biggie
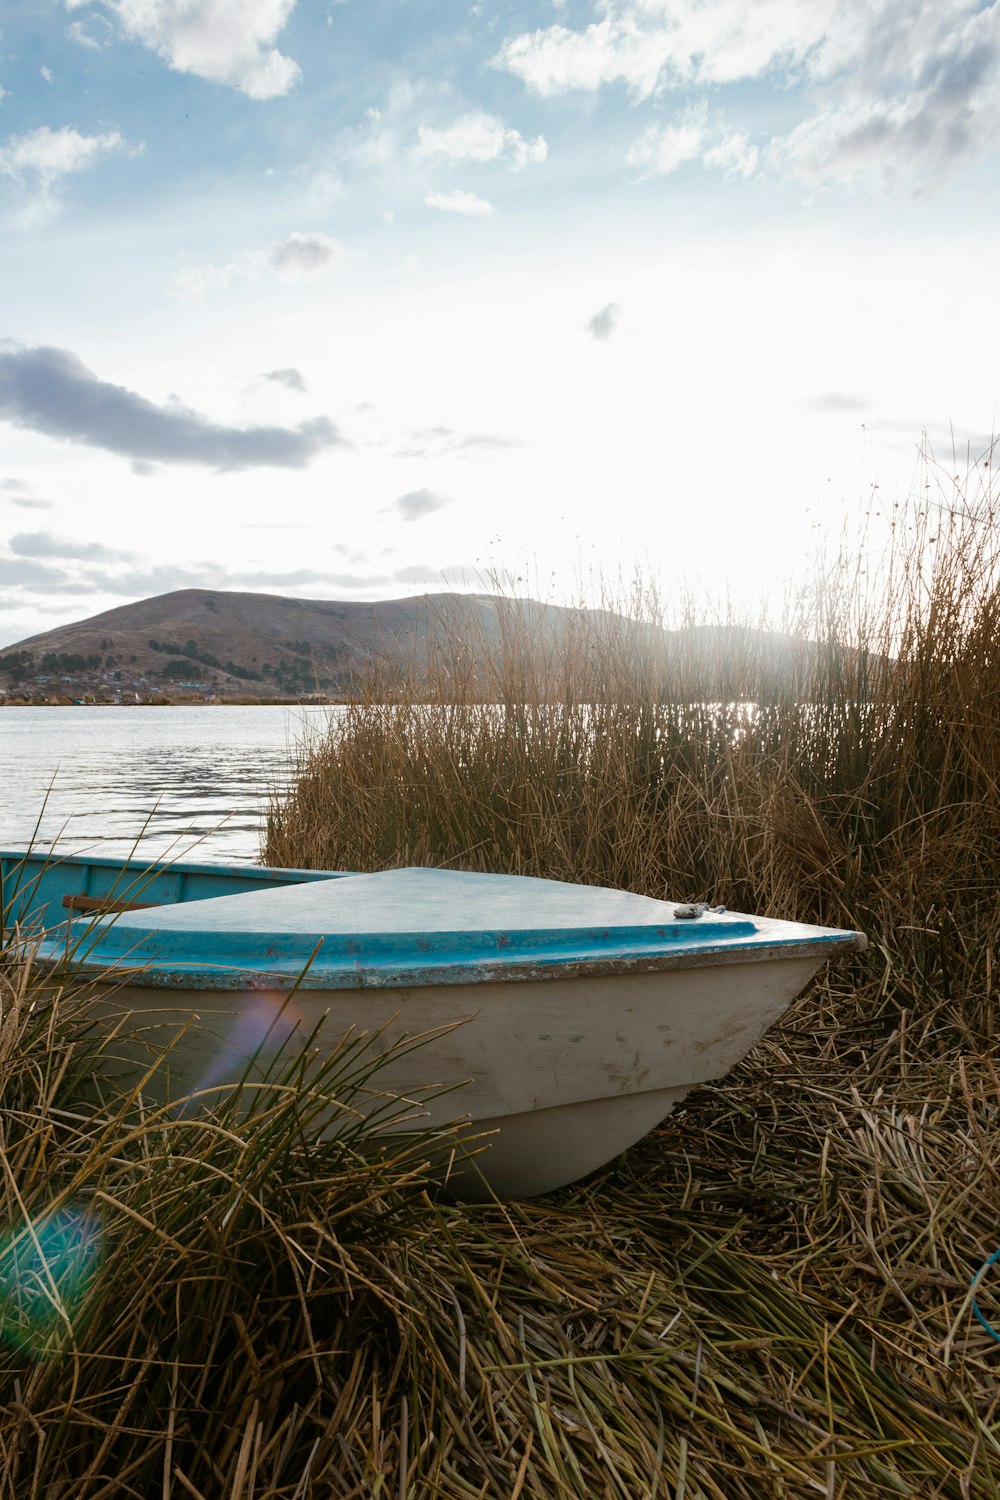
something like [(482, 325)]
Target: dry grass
[(769, 1296)]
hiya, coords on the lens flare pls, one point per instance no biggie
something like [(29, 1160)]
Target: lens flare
[(256, 1034), (46, 1266)]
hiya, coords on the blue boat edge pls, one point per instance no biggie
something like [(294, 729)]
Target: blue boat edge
[(224, 946), (34, 880)]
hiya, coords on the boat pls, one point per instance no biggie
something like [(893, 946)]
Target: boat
[(560, 1022)]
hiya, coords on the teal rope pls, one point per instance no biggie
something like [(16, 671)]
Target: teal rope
[(975, 1305)]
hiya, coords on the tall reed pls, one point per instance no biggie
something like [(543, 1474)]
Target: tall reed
[(768, 1297), (842, 768), (812, 1222), (187, 1295)]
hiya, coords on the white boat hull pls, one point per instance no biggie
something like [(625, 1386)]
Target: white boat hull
[(554, 1077), (559, 1023)]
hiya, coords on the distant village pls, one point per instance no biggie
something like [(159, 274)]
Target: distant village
[(220, 646), (186, 675)]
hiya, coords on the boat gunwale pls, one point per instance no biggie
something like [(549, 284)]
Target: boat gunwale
[(176, 976), (238, 958)]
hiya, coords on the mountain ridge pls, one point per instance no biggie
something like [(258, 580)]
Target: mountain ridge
[(218, 645), (229, 637)]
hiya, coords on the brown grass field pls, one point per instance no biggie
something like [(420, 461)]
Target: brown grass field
[(768, 1297)]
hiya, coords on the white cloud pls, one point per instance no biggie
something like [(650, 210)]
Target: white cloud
[(652, 44), (604, 322), (481, 137), (19, 492), (289, 376), (298, 257), (662, 149), (223, 41), (305, 255), (460, 202), (51, 391), (418, 503), (734, 155), (376, 143), (400, 142), (556, 60), (324, 190), (195, 283), (47, 155), (77, 32), (94, 31), (441, 442), (925, 101), (46, 544), (907, 90)]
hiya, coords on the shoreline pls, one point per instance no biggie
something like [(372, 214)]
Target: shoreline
[(308, 702)]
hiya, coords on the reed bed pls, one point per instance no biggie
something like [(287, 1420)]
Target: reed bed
[(770, 1295)]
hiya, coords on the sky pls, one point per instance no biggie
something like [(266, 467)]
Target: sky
[(356, 299)]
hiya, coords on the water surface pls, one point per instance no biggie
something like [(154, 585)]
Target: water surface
[(180, 781)]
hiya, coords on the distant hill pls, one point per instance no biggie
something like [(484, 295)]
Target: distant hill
[(223, 644), (204, 643)]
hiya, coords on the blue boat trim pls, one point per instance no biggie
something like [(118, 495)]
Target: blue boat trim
[(33, 883), (418, 927)]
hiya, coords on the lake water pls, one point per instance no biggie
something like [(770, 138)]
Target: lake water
[(185, 782)]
